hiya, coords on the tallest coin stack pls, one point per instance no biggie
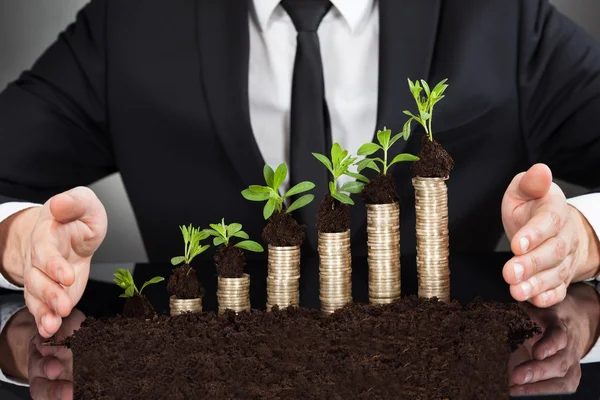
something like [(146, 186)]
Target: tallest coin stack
[(431, 204)]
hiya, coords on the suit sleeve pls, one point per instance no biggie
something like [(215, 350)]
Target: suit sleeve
[(559, 84), (53, 119)]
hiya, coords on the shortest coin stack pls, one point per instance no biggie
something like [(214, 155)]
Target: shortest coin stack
[(180, 306), (283, 280), (234, 294), (335, 271), (383, 228), (431, 204)]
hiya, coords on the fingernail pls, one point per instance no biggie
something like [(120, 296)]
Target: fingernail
[(544, 297), (528, 376), (59, 274), (526, 288), (54, 307), (524, 242), (519, 271)]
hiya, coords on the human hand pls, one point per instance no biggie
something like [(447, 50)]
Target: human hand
[(550, 239), (14, 342), (51, 367), (65, 233), (550, 363)]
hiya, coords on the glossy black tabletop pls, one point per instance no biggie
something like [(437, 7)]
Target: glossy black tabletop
[(477, 275)]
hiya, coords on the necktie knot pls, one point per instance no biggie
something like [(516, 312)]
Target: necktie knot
[(306, 14)]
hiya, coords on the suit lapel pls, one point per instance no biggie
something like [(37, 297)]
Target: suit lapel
[(223, 43), (407, 38)]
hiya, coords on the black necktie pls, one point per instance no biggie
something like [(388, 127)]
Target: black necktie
[(310, 128)]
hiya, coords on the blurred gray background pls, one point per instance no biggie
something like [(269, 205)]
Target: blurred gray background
[(27, 27)]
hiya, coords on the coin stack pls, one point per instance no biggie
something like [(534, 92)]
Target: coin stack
[(335, 270), (234, 294), (180, 306), (431, 203), (383, 228), (283, 280)]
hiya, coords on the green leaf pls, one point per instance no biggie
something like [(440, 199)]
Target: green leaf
[(332, 188), (425, 116), (218, 241), (384, 137), (426, 87), (202, 235), (212, 232), (253, 196), (403, 158), (124, 296), (342, 198), (129, 291), (124, 275), (440, 88), (359, 177), (186, 234), (395, 139), (280, 175), (152, 281), (242, 235), (368, 148), (259, 189), (301, 202), (352, 187), (336, 153), (219, 228), (407, 129), (250, 246), (177, 260), (300, 188), (233, 228), (269, 208), (324, 160), (269, 175), (200, 250), (410, 114)]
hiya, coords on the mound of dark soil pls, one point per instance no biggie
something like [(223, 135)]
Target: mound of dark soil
[(283, 230), (139, 307), (434, 161), (333, 216), (230, 261), (184, 284), (381, 190)]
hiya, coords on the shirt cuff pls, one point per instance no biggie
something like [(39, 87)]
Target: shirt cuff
[(9, 306), (6, 210), (589, 206)]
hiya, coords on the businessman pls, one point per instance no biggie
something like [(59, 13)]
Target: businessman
[(188, 100)]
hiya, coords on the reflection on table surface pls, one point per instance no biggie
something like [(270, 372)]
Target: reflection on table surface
[(549, 362)]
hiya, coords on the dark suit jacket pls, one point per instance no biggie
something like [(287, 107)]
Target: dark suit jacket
[(158, 91)]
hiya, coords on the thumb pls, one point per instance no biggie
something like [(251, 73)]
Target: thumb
[(71, 205), (535, 184)]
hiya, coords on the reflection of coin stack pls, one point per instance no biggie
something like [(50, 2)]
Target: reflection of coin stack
[(431, 203), (180, 306), (283, 281), (383, 228), (234, 294), (335, 270)]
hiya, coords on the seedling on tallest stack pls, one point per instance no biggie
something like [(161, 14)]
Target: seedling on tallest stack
[(282, 233), (383, 217), (431, 196), (333, 223)]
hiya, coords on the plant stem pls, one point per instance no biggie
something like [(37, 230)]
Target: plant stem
[(136, 289), (430, 119), (385, 166)]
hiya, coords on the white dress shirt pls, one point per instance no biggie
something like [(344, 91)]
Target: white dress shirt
[(349, 39)]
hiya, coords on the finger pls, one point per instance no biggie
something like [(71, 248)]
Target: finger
[(535, 183), (48, 259), (550, 297), (547, 222), (51, 293), (538, 285), (565, 385), (554, 340), (47, 367), (46, 320), (67, 207), (552, 253), (44, 389), (533, 371)]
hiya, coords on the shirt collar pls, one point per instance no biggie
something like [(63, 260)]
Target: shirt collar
[(353, 11)]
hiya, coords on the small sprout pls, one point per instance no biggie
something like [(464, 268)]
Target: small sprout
[(270, 193), (224, 233), (424, 104), (124, 280), (192, 238), (338, 166), (386, 141)]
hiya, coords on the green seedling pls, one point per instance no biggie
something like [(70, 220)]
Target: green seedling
[(224, 233), (425, 105), (386, 141), (191, 238), (339, 165), (270, 192), (124, 279)]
